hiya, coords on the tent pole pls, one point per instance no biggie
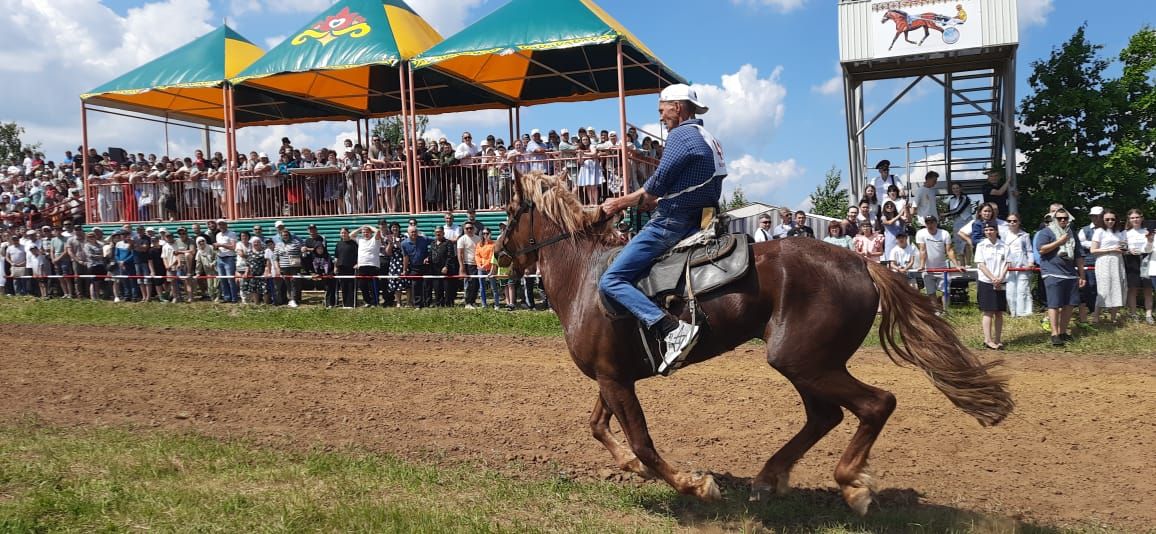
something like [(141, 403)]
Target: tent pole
[(517, 125), (359, 132), (230, 163), (166, 136), (416, 164), (406, 140), (510, 116), (88, 192), (622, 122)]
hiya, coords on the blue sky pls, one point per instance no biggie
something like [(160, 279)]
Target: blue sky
[(767, 64)]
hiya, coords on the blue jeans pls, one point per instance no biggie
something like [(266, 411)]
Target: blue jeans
[(635, 260), (227, 267)]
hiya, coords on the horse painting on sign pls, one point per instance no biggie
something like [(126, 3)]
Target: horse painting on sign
[(812, 303), (905, 24)]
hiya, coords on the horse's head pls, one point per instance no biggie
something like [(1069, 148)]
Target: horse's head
[(543, 211), (890, 14)]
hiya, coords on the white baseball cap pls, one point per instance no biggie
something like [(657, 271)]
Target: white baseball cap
[(279, 223), (535, 131), (1096, 210), (564, 132), (682, 91)]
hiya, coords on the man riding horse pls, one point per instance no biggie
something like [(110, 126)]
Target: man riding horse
[(688, 182)]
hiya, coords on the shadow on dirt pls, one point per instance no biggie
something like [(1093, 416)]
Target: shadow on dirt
[(813, 509)]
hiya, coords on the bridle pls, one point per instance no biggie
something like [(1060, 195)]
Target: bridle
[(533, 245)]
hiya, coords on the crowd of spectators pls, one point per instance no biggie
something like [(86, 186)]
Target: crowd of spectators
[(132, 187), (367, 266), (1101, 268), (35, 191)]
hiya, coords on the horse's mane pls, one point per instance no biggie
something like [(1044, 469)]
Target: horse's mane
[(552, 196)]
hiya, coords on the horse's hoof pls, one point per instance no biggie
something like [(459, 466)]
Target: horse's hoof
[(707, 490), (777, 486), (858, 498), (761, 492)]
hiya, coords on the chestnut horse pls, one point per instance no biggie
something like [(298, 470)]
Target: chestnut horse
[(812, 303), (902, 26)]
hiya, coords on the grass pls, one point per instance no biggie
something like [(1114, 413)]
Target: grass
[(1020, 334), (99, 479)]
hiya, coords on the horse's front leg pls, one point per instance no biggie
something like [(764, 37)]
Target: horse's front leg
[(624, 458), (897, 34), (622, 401)]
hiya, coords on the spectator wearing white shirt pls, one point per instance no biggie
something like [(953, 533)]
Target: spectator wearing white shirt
[(225, 244), (935, 252), (1108, 246), (1139, 248), (17, 257), (786, 223), (536, 148), (902, 258), (924, 202), (885, 179), (763, 233), (991, 262), (368, 263), (466, 251), (1019, 255)]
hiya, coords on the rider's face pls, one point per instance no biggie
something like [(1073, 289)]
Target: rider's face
[(668, 114)]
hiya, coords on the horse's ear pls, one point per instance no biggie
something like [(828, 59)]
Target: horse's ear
[(564, 175), (518, 184)]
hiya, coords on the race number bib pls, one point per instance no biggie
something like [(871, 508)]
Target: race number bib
[(720, 164)]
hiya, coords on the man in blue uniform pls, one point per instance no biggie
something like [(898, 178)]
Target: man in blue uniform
[(688, 181)]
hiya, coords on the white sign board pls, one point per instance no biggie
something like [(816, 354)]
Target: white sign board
[(906, 27)]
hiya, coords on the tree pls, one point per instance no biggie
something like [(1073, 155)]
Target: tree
[(11, 147), (830, 199), (1129, 169), (389, 128), (738, 200), (1065, 143)]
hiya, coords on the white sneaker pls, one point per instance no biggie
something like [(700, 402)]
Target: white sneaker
[(678, 344), (469, 306), (292, 304), (116, 299)]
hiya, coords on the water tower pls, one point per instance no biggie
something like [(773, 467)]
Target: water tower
[(966, 46)]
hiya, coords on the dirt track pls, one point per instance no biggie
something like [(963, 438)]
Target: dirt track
[(1081, 446)]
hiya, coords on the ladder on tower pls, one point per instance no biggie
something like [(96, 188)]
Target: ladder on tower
[(973, 136)]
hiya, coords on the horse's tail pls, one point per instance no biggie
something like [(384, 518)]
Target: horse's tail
[(930, 343)]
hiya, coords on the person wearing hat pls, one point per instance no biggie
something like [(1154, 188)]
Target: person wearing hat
[(1062, 269), (225, 243), (885, 179), (993, 191), (536, 148), (684, 191), (16, 254)]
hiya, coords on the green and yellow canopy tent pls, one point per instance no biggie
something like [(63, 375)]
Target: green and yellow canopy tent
[(351, 56), (186, 84), (531, 52)]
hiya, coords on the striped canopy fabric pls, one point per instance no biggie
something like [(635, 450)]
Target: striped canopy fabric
[(531, 52), (350, 57), (186, 84)]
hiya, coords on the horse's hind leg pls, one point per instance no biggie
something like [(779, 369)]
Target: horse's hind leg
[(822, 416), (873, 406), (622, 401), (624, 458), (926, 32)]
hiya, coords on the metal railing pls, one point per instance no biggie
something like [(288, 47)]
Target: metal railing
[(482, 183)]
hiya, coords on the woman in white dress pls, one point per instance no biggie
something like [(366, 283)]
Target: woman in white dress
[(1108, 246), (1019, 256), (1139, 249), (590, 175)]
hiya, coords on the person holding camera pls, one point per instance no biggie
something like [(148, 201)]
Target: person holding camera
[(1062, 268)]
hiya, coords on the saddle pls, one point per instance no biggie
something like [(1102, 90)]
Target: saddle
[(715, 261)]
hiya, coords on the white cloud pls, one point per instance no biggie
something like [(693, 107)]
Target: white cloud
[(432, 134), (240, 7), (1034, 12), (759, 178), (832, 86), (782, 6), (273, 41), (746, 109), (61, 48)]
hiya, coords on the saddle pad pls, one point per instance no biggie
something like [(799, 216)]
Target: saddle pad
[(713, 265)]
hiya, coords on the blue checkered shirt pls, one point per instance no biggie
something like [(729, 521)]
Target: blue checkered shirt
[(686, 162)]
